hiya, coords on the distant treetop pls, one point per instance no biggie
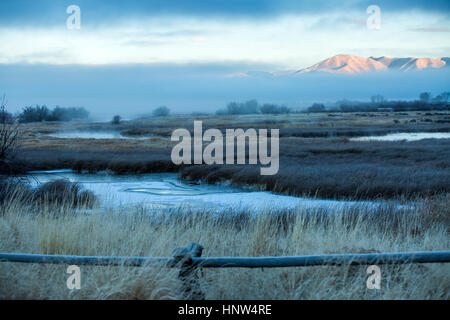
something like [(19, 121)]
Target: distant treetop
[(162, 111)]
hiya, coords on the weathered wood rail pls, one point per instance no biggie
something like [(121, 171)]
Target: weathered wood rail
[(188, 259), (239, 262)]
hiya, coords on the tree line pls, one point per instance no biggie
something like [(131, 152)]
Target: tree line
[(253, 107), (377, 102), (43, 113)]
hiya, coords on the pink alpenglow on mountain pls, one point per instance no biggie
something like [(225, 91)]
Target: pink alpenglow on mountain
[(349, 64), (345, 63)]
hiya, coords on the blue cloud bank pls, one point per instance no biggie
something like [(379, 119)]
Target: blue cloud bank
[(135, 89)]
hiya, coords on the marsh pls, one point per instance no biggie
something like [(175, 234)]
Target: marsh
[(331, 195), (318, 154)]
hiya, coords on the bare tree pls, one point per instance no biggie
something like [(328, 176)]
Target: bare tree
[(116, 119), (9, 138), (425, 97), (377, 98), (162, 111), (443, 97)]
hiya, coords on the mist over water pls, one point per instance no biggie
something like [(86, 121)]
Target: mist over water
[(90, 135), (407, 136), (131, 90)]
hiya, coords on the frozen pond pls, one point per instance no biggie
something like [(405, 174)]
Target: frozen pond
[(408, 136), (89, 135), (165, 191)]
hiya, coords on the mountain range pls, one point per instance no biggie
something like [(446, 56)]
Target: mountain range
[(350, 64)]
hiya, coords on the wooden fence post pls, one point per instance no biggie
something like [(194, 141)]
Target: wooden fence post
[(188, 271)]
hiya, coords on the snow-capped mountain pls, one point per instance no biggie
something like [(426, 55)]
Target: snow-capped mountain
[(350, 64), (346, 63)]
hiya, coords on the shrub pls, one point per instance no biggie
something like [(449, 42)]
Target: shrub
[(274, 109), (425, 97), (252, 107), (63, 191), (116, 119), (9, 139), (316, 107), (221, 112), (377, 98), (443, 97), (248, 107), (68, 114), (34, 114), (162, 111), (6, 117), (42, 113), (57, 192)]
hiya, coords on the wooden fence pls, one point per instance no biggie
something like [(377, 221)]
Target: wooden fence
[(188, 259)]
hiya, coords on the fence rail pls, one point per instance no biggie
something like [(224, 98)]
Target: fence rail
[(188, 260), (239, 262)]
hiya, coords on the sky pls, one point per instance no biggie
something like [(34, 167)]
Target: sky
[(176, 42)]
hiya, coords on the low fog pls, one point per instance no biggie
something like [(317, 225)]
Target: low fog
[(131, 90)]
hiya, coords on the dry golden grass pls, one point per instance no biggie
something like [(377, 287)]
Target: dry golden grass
[(137, 232)]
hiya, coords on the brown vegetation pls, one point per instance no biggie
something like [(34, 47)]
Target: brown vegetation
[(302, 231), (316, 155)]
